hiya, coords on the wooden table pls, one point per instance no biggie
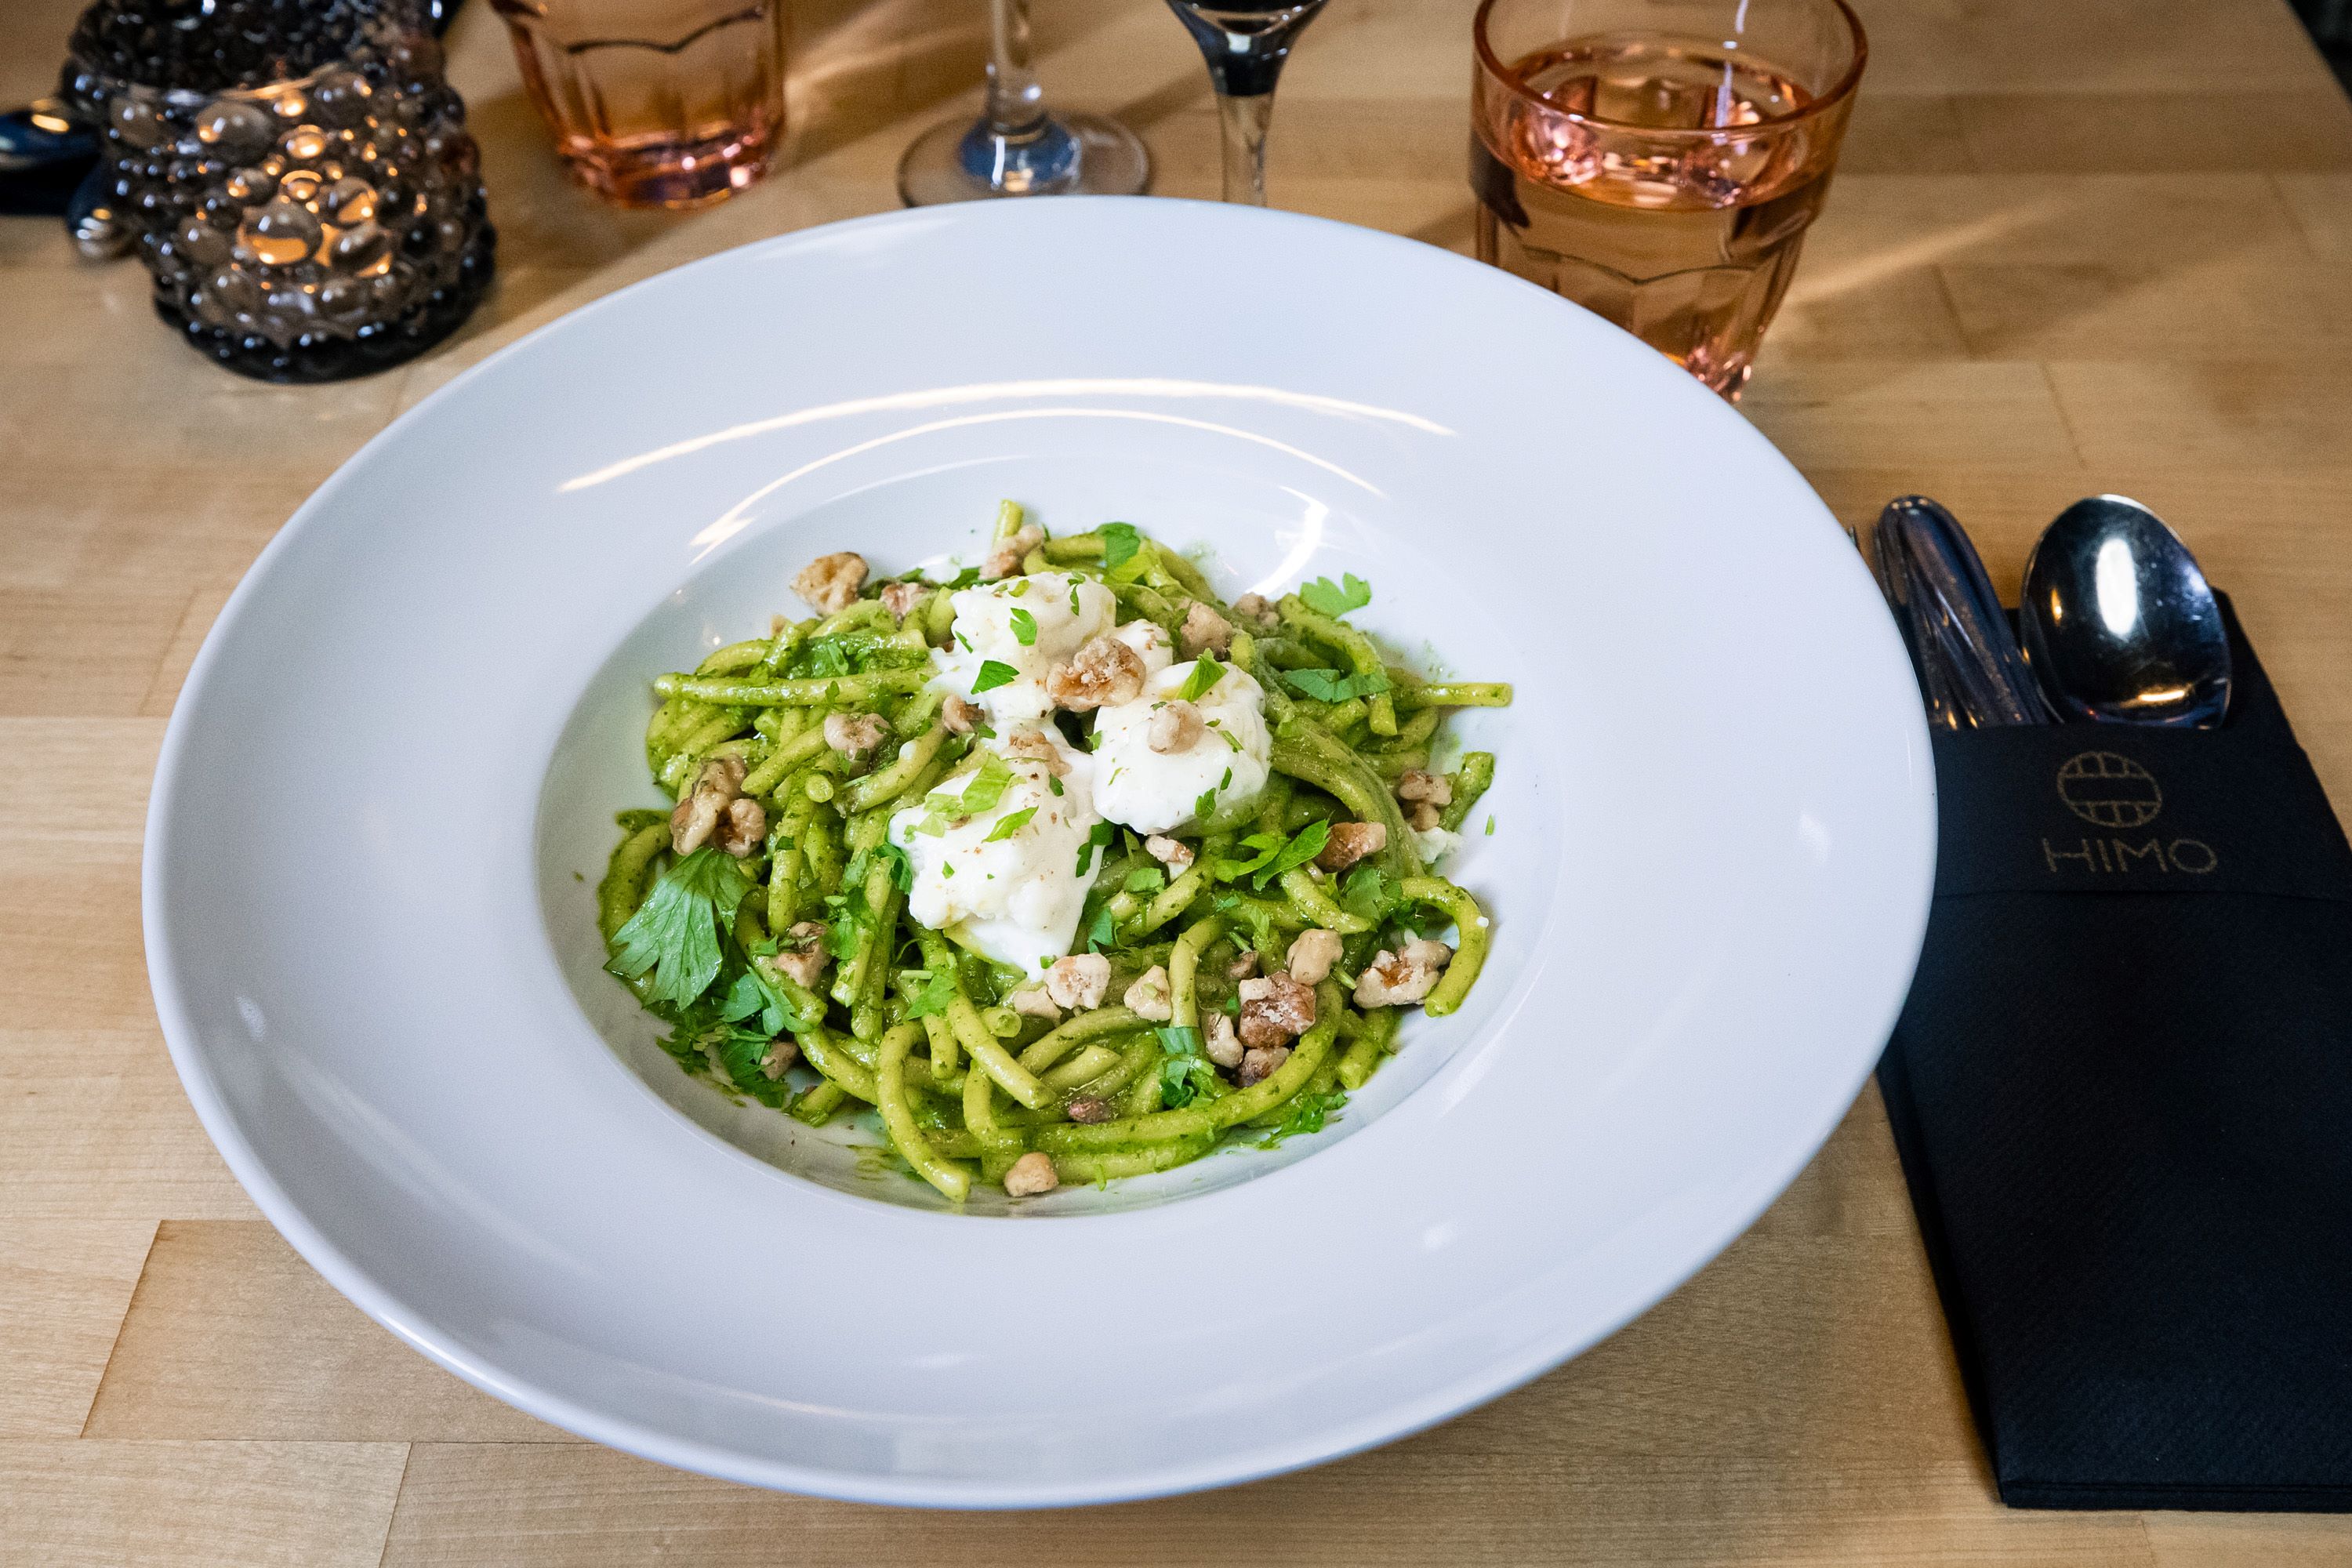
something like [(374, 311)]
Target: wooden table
[(2100, 245)]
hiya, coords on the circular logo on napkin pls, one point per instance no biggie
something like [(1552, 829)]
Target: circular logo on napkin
[(2109, 791)]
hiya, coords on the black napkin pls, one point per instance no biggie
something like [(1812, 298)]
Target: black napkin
[(2122, 1092)]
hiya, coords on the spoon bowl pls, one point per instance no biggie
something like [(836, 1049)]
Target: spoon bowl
[(2120, 626)]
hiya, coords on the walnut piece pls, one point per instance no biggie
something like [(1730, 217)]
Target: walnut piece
[(1005, 557), (901, 598), (1151, 998), (1204, 631), (1244, 966), (1350, 842), (854, 734), (699, 811), (1274, 1009), (1038, 747), (1419, 784), (1087, 1109), (1262, 1062), (1032, 1001), (1172, 853), (1178, 727), (1422, 816), (1078, 980), (959, 716), (1312, 955), (1256, 612), (1103, 673), (830, 583), (803, 956), (1223, 1047), (1031, 1175), (1395, 978), (781, 1054), (743, 829)]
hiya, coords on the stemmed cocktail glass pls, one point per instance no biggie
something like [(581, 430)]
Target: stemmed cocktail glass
[(1245, 43), (1017, 147)]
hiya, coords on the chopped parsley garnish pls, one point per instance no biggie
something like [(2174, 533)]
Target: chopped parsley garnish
[(1306, 1113), (1206, 673), (1024, 628), (675, 933), (1229, 737), (1370, 894), (1276, 855), (902, 870), (1184, 1071), (1328, 598), (1206, 805), (755, 994), (1103, 932), (1490, 825), (993, 673), (1053, 782), (1120, 542), (964, 640), (1097, 837), (1020, 587), (1330, 686), (932, 996), (1146, 879), (1010, 824), (1073, 596)]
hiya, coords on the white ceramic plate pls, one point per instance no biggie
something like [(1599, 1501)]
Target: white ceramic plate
[(398, 755)]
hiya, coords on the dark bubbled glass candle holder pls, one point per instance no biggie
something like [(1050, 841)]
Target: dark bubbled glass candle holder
[(297, 173)]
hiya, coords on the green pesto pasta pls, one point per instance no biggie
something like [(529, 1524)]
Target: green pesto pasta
[(1064, 869)]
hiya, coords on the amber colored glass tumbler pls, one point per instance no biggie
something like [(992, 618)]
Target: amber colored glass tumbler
[(1658, 162), (655, 103)]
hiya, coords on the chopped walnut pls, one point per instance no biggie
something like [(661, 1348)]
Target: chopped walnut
[(1262, 1062), (743, 829), (1422, 815), (959, 716), (1204, 631), (1078, 980), (1005, 557), (1274, 1009), (1033, 1000), (781, 1054), (1151, 998), (803, 956), (1253, 609), (1039, 746), (1175, 727), (830, 583), (1031, 1175), (1104, 672), (1312, 955), (1172, 853), (901, 598), (1419, 784), (1223, 1047), (1395, 978), (854, 734), (1087, 1109), (700, 810), (1350, 842), (1244, 966)]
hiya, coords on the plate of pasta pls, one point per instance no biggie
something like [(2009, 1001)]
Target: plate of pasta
[(789, 886)]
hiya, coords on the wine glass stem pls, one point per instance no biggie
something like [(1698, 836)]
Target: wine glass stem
[(1016, 105), (1245, 120)]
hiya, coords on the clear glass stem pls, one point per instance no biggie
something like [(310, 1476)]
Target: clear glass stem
[(1016, 104), (1245, 120)]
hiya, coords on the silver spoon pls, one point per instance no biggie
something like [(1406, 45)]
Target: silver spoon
[(2120, 626)]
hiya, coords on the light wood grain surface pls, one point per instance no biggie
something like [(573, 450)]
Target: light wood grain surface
[(2097, 245)]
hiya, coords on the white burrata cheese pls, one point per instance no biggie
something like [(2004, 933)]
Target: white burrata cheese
[(1062, 610), (1015, 900), (1159, 791)]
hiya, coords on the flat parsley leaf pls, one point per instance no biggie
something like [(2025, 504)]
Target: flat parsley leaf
[(1305, 1113), (902, 870), (674, 934), (1120, 542), (1276, 855), (993, 673), (932, 997), (987, 787), (1330, 686), (1370, 894), (1328, 598), (1011, 823), (1184, 1072), (1206, 673), (1098, 838), (1024, 628)]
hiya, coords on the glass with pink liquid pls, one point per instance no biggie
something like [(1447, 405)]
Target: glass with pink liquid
[(655, 103), (1658, 161)]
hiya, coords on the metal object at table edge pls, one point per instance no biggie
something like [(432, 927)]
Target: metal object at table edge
[(2120, 626), (1971, 671)]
